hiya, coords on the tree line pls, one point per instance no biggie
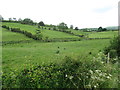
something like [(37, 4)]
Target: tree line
[(61, 26)]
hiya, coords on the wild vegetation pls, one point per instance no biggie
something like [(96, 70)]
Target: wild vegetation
[(36, 55)]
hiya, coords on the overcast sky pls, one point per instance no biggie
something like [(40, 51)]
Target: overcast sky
[(80, 13)]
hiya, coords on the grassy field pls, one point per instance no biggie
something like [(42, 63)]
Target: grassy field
[(56, 34), (78, 32), (107, 34), (16, 56), (28, 28), (23, 53), (12, 36)]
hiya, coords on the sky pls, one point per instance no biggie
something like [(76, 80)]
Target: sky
[(79, 13)]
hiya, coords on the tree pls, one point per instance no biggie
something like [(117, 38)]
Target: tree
[(76, 28), (10, 19), (19, 20), (14, 19), (100, 29), (104, 29), (62, 26), (71, 26), (27, 21), (54, 28), (1, 18), (41, 23)]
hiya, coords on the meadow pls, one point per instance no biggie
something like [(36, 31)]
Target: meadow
[(18, 55)]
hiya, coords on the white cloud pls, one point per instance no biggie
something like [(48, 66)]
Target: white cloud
[(80, 13)]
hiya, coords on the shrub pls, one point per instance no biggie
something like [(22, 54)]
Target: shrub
[(114, 46), (113, 53), (27, 21), (57, 52)]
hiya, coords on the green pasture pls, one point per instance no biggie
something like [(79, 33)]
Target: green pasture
[(56, 34), (24, 27), (78, 32), (15, 55), (45, 33), (106, 34), (12, 36)]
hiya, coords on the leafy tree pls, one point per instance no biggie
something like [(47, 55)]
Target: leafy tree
[(27, 21), (62, 26), (71, 26), (10, 19), (19, 20), (76, 28), (54, 28), (41, 23), (14, 19), (104, 29), (100, 29), (1, 18)]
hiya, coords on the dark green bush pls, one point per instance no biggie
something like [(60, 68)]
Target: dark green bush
[(114, 46), (113, 53)]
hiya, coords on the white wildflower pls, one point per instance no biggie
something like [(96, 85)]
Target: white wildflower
[(95, 86), (91, 71), (102, 62), (98, 71), (71, 77), (66, 75), (108, 77)]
